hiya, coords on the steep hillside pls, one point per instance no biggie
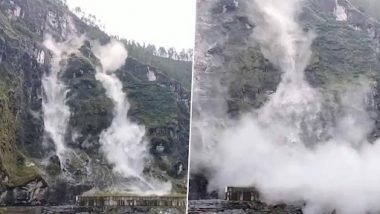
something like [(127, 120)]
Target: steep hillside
[(30, 172), (370, 7), (232, 75), (179, 69)]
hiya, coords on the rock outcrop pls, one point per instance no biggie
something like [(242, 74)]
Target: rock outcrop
[(346, 48), (30, 173)]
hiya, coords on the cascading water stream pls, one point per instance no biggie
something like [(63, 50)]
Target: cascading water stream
[(55, 110), (123, 143)]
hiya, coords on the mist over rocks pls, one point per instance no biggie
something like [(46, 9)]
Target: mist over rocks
[(124, 142), (31, 173), (56, 111), (299, 109)]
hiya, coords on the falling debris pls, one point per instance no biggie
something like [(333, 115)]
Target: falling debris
[(340, 12)]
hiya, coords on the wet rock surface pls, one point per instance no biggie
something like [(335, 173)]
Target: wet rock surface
[(30, 172), (342, 51), (32, 193)]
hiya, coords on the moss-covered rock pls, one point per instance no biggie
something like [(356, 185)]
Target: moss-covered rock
[(91, 108), (28, 160), (344, 54), (13, 163)]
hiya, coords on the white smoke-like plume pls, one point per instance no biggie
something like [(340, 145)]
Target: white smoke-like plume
[(123, 143), (340, 12), (55, 110), (287, 46), (268, 148)]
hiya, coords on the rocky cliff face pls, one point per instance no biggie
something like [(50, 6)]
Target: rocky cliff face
[(30, 173), (346, 48)]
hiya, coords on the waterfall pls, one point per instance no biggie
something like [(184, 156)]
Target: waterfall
[(56, 112)]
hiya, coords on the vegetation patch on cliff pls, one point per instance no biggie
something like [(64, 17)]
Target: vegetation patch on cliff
[(12, 161)]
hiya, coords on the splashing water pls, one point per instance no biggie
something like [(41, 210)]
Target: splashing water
[(56, 111)]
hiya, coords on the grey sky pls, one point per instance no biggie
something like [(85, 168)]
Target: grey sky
[(167, 23)]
